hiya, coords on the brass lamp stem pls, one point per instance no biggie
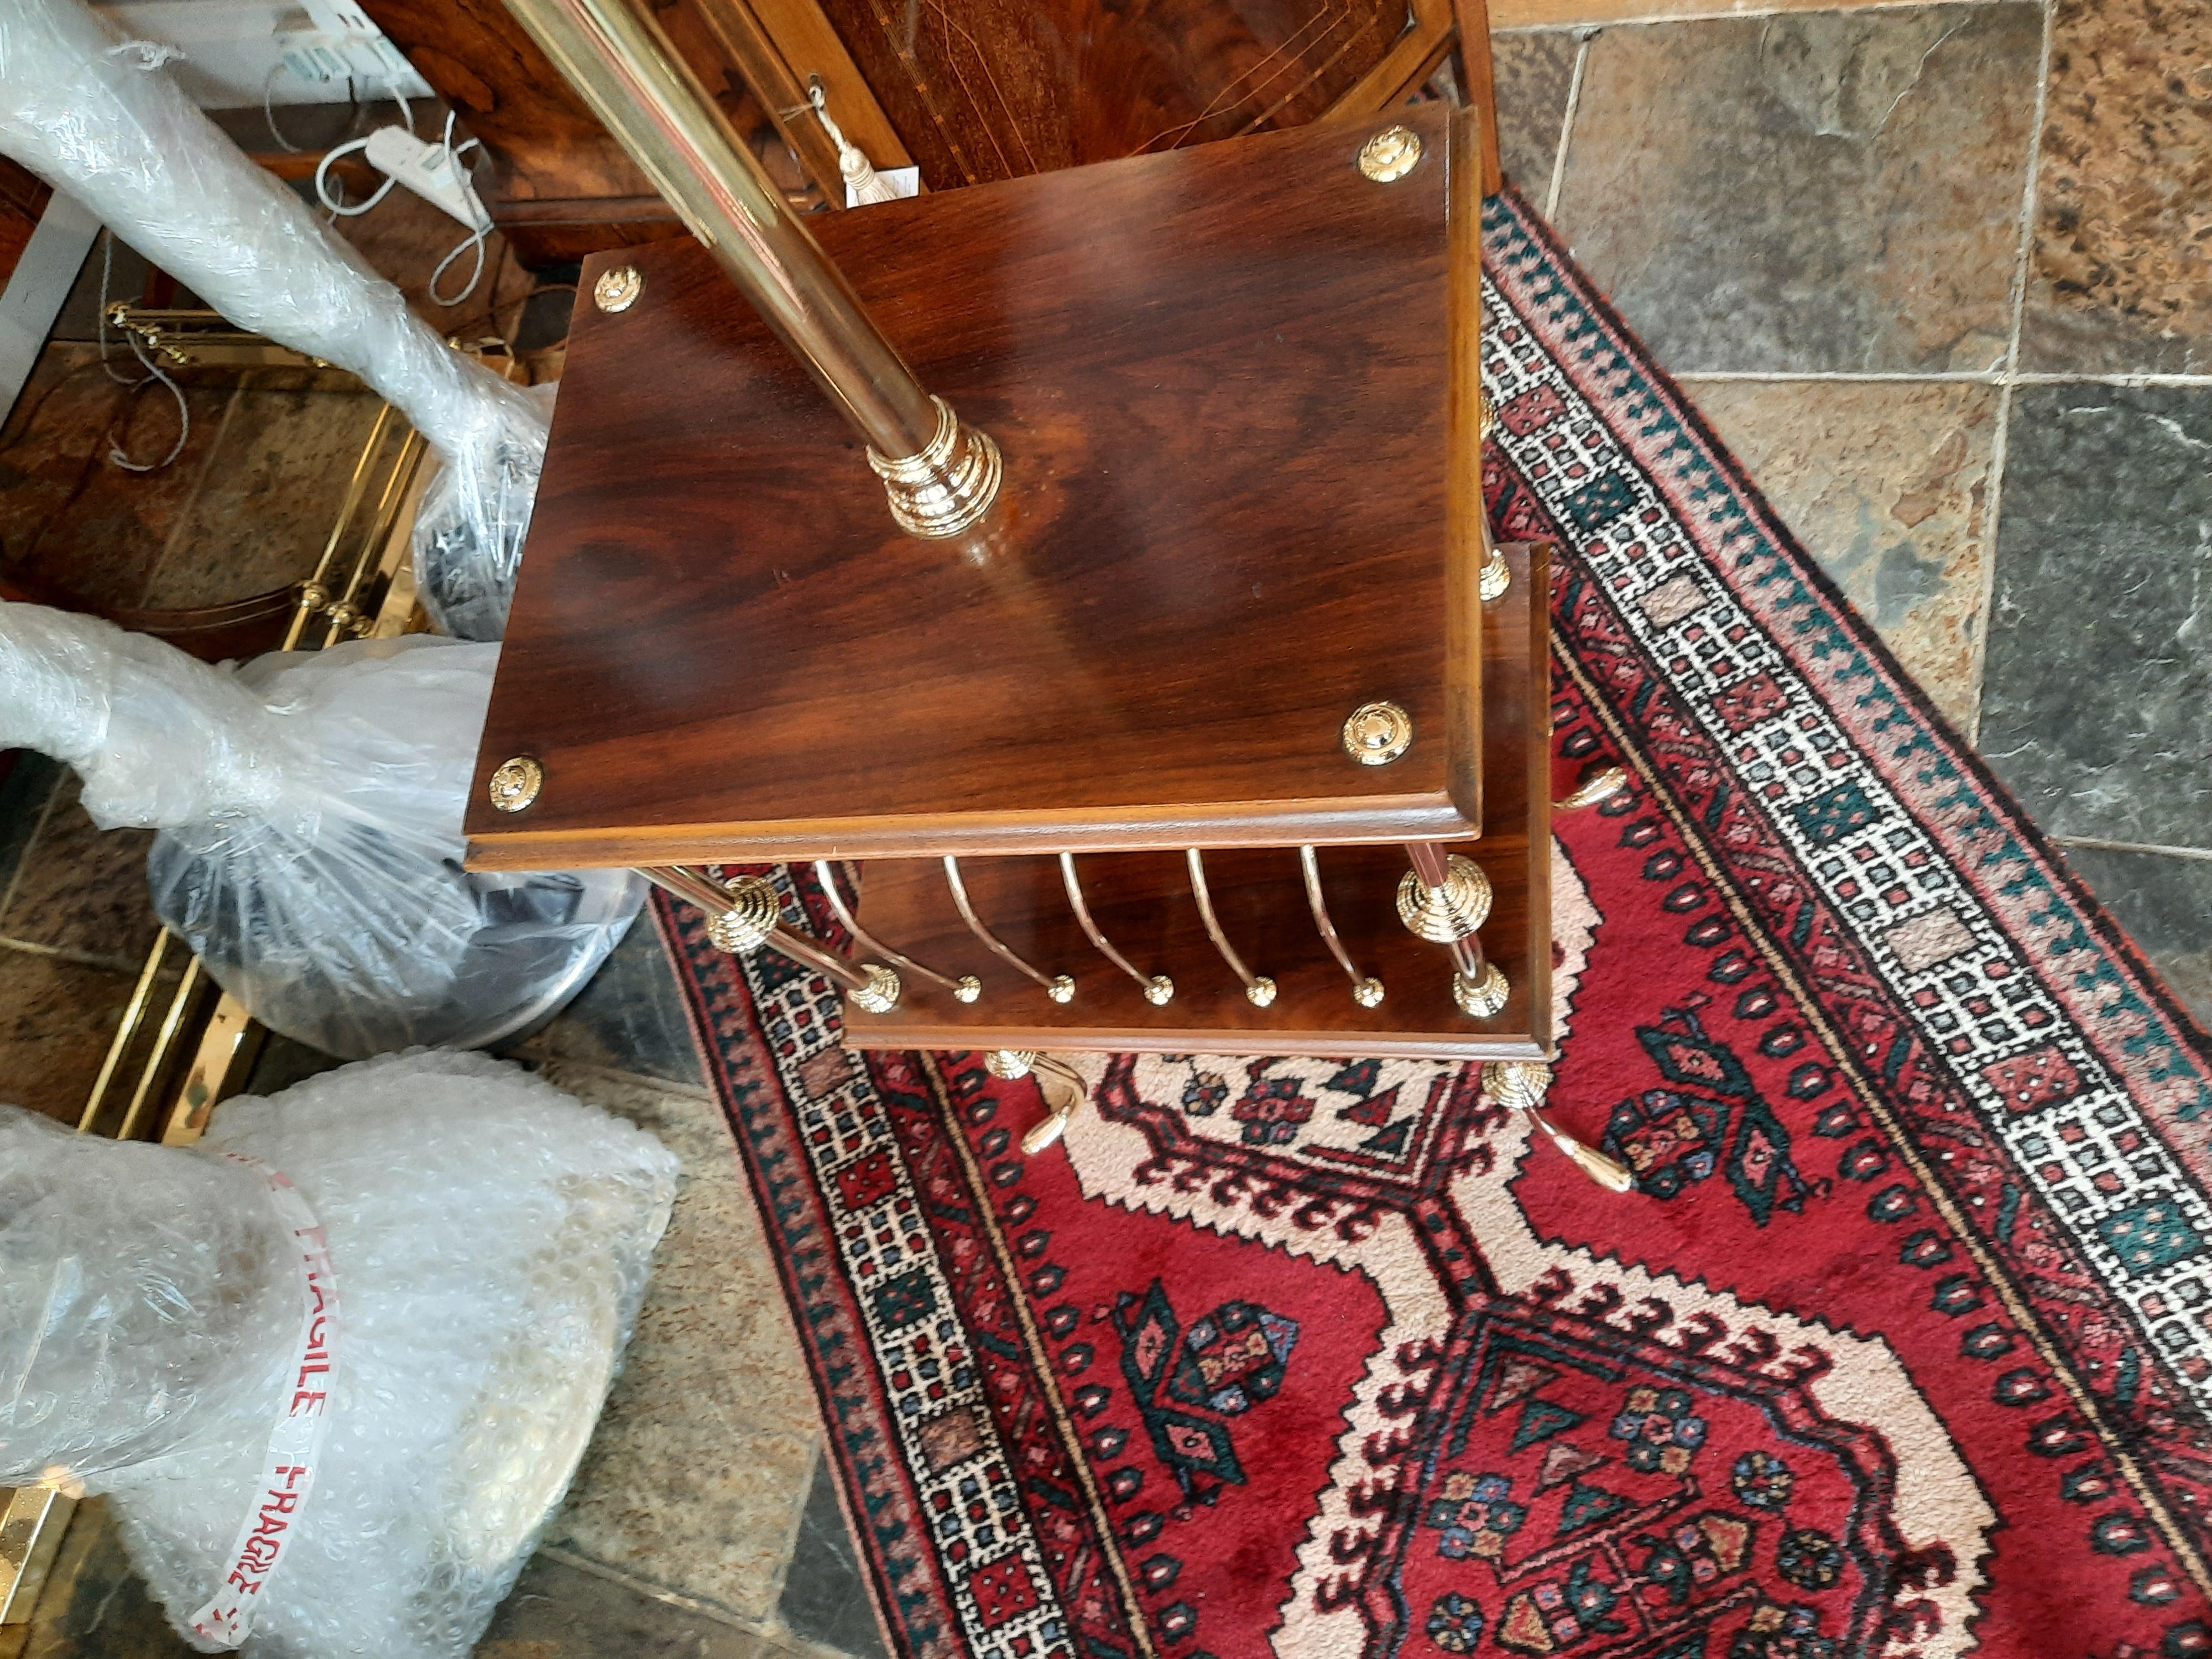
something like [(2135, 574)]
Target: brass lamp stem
[(940, 473)]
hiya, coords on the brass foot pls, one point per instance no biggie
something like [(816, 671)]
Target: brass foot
[(1496, 576), (1604, 786), (1521, 1085)]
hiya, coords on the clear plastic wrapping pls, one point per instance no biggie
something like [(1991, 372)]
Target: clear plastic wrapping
[(491, 1237), (311, 806), (93, 118)]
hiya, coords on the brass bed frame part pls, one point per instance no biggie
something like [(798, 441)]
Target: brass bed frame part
[(183, 1046)]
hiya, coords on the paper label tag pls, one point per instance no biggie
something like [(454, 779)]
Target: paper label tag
[(295, 1441)]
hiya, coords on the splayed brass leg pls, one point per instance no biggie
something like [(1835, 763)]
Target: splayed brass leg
[(1060, 1083), (1601, 786), (1521, 1085), (743, 913)]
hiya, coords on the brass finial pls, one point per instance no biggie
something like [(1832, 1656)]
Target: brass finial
[(1479, 998), (881, 993), (1447, 914), (946, 487), (754, 913), (1009, 1064)]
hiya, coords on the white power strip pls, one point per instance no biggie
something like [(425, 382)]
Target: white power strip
[(428, 169)]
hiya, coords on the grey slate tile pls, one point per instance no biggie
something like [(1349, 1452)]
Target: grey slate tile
[(1831, 191), (2117, 279), (1533, 74), (2166, 903), (824, 1597), (630, 1018), (561, 1612), (2097, 695)]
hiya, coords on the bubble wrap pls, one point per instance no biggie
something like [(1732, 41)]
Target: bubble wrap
[(310, 805), (491, 1238), (83, 110)]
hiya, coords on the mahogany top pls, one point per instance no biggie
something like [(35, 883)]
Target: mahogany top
[(1236, 456)]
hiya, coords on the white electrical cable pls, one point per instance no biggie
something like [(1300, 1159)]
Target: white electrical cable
[(339, 208)]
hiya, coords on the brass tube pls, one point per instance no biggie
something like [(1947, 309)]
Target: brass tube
[(164, 1043), (625, 69), (313, 595), (1259, 989), (710, 896), (940, 474), (133, 1014), (1367, 992), (1158, 988)]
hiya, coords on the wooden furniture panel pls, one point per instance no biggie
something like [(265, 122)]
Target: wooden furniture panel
[(1142, 903), (1224, 382)]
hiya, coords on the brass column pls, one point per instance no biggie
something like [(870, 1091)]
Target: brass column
[(940, 473)]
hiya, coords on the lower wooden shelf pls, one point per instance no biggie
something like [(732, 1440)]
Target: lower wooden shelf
[(1143, 904)]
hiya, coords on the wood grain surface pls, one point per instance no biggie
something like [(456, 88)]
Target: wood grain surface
[(1221, 381)]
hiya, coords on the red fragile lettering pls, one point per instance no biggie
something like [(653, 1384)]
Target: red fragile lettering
[(260, 1553)]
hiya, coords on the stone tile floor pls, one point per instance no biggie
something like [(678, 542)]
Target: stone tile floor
[(1941, 276), (1938, 274)]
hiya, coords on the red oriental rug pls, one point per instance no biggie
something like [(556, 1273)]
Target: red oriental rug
[(1901, 1347)]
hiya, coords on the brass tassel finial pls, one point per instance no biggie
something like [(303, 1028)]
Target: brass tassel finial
[(1520, 1085)]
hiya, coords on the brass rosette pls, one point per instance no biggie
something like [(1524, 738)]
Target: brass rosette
[(881, 993), (755, 913)]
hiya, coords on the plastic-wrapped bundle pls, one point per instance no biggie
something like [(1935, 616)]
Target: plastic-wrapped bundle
[(310, 805), (91, 116), (484, 1242)]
